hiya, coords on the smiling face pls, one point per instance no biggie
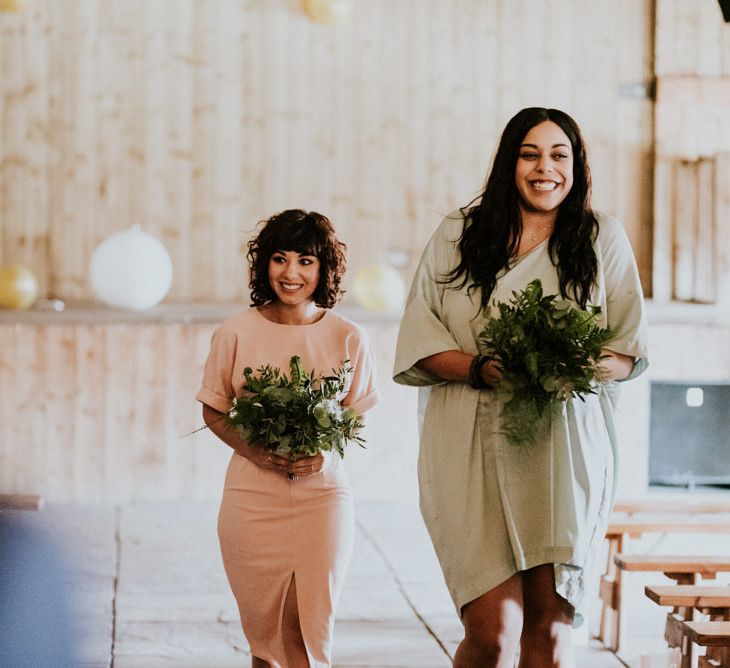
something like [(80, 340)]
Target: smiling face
[(293, 277), (544, 169)]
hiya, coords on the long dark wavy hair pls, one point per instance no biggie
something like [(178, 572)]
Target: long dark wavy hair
[(493, 227), (305, 232)]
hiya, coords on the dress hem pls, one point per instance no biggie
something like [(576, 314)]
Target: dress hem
[(555, 556)]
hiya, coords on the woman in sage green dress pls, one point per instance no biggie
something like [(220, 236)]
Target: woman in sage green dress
[(517, 529)]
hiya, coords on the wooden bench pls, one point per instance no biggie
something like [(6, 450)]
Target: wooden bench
[(610, 586), (689, 567), (681, 509), (716, 637), (21, 502), (684, 599)]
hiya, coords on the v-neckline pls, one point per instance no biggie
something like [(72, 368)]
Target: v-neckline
[(516, 259)]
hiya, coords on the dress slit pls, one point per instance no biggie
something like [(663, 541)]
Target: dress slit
[(285, 598)]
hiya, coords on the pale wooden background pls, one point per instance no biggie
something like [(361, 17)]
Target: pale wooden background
[(198, 118), (692, 154)]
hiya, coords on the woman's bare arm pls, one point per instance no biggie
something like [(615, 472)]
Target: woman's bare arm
[(302, 466), (266, 460), (454, 365)]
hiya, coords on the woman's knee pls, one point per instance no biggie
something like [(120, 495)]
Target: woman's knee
[(546, 627), (549, 620), (497, 634), (546, 612), (546, 641), (493, 623), (492, 644)]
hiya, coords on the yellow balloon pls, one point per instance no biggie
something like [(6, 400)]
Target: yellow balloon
[(379, 287), (11, 5), (18, 287), (325, 11)]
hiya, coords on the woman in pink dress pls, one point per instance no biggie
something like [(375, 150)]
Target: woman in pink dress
[(286, 527)]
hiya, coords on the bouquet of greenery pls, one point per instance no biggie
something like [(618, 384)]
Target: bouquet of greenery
[(548, 350), (299, 414)]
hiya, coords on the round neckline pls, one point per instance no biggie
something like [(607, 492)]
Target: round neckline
[(284, 324)]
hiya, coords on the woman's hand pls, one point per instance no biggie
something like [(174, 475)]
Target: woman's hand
[(265, 459), (305, 466), (300, 467), (613, 365), (491, 373)]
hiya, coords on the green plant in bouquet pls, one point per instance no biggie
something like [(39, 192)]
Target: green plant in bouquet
[(548, 349), (298, 414)]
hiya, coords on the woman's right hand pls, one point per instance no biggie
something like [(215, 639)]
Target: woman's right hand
[(265, 459), (491, 373)]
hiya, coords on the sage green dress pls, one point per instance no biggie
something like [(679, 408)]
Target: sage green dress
[(493, 509)]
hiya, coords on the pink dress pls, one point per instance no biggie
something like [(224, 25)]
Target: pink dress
[(270, 528)]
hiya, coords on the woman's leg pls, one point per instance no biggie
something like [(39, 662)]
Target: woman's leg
[(296, 651), (546, 640), (493, 623)]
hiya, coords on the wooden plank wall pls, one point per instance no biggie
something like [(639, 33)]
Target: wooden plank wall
[(197, 118), (692, 179), (699, 252), (95, 412), (100, 413), (691, 39)]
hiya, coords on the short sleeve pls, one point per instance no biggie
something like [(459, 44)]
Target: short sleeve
[(625, 310), (362, 393), (216, 389), (422, 330)]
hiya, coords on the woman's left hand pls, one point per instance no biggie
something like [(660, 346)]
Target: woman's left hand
[(614, 366), (491, 373), (306, 466)]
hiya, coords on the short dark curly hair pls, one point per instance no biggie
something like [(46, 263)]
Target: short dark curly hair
[(305, 232)]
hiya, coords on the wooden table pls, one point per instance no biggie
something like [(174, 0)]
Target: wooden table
[(610, 586)]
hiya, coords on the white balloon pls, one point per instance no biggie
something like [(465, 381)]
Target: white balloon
[(379, 287), (131, 269)]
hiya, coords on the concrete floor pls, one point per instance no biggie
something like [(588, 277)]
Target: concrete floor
[(150, 591)]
